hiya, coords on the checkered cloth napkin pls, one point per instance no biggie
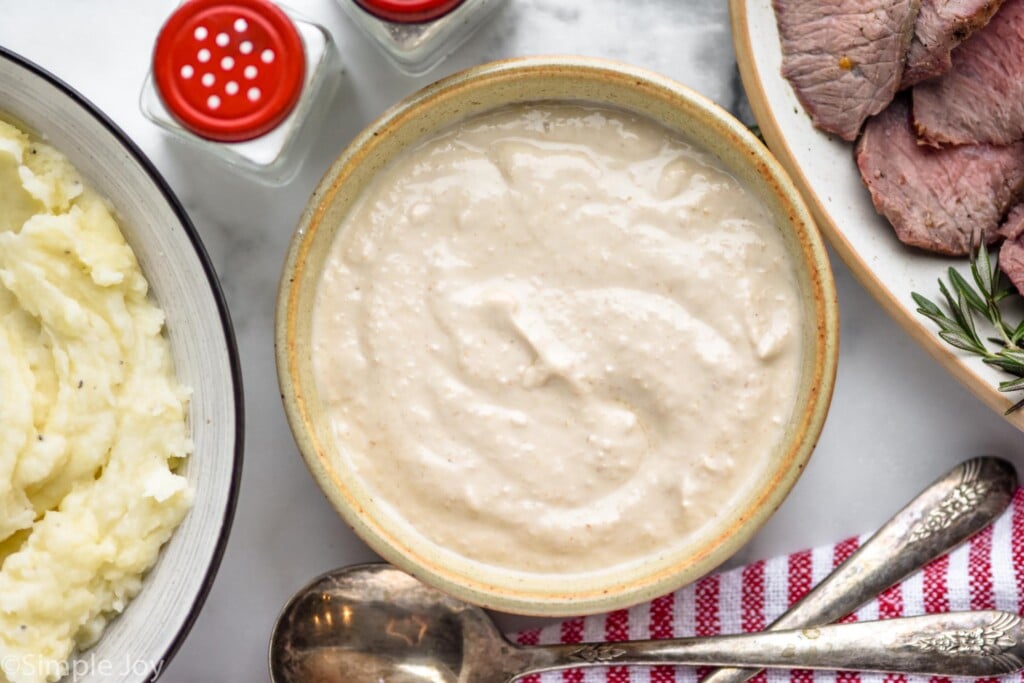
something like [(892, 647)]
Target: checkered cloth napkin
[(985, 573)]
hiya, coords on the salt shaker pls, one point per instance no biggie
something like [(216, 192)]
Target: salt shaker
[(417, 34), (245, 80)]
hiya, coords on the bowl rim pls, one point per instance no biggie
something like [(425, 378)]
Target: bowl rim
[(225, 319), (821, 368)]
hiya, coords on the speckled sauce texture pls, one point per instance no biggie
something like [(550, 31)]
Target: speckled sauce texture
[(556, 339)]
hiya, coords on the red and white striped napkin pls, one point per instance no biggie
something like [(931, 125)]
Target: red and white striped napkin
[(985, 573)]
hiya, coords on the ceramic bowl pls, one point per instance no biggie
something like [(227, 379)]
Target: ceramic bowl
[(142, 639), (565, 79)]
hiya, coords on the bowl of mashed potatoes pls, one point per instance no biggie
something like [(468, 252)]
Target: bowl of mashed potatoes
[(556, 335), (120, 398)]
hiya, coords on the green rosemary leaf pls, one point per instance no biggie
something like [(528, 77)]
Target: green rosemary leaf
[(950, 301), (1012, 384), (961, 314), (953, 305), (956, 321), (961, 341), (1004, 290), (925, 306), (981, 269), (949, 325), (1006, 364), (965, 290), (1011, 355), (1015, 407), (928, 309)]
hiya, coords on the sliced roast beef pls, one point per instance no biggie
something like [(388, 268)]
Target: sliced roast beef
[(937, 199), (941, 26), (1013, 226), (844, 58), (981, 98), (1011, 254), (1011, 262)]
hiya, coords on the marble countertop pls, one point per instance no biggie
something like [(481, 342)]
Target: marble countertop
[(897, 419)]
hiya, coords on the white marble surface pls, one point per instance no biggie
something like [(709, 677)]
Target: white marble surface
[(897, 419)]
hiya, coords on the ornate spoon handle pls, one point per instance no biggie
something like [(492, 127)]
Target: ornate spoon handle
[(987, 643), (943, 516)]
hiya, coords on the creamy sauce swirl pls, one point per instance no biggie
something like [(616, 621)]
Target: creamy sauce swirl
[(557, 338)]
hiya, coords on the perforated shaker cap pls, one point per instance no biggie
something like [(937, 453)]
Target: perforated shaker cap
[(229, 70), (409, 11)]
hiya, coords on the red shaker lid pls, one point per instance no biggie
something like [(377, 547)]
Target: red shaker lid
[(229, 70), (409, 11)]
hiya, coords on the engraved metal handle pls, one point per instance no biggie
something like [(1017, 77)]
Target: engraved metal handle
[(951, 510), (980, 644)]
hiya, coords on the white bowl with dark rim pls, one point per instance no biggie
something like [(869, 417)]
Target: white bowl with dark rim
[(140, 642)]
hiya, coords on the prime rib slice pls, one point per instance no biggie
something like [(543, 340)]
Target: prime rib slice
[(981, 98), (844, 58), (1013, 226), (940, 200), (1011, 254), (941, 26)]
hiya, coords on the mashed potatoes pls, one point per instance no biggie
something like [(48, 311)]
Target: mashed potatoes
[(92, 420)]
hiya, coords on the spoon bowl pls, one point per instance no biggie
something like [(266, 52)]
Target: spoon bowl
[(376, 624)]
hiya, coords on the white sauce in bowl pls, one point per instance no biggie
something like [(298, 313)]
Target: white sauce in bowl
[(557, 338)]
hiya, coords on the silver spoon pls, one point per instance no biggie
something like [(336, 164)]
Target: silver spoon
[(337, 629), (954, 508), (376, 624)]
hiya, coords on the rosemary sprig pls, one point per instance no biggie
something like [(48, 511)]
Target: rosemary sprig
[(964, 301)]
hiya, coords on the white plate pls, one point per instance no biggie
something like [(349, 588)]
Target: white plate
[(823, 168)]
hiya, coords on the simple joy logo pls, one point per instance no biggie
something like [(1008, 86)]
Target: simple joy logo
[(28, 666)]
